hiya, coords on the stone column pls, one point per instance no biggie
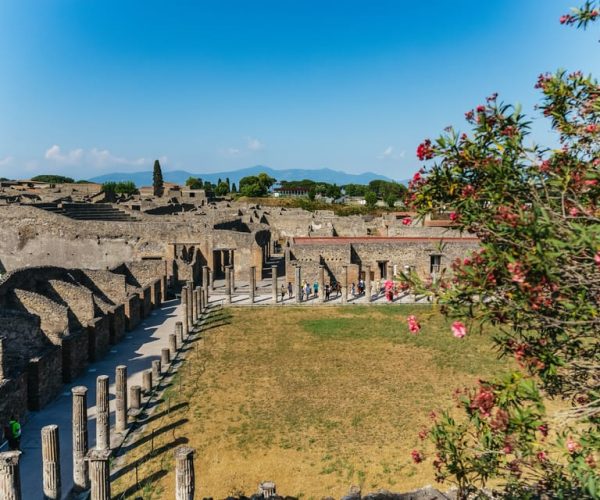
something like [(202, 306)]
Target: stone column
[(10, 478), (156, 370), (99, 474), (163, 287), (368, 283), (173, 344), (211, 279), (252, 283), (184, 300), (179, 331), (196, 302), (205, 281), (228, 285), (51, 463), (191, 307), (2, 356), (232, 278), (390, 271), (135, 397), (102, 414), (184, 473), (274, 290), (121, 398), (344, 284), (321, 283), (147, 381), (165, 356), (298, 283), (80, 438)]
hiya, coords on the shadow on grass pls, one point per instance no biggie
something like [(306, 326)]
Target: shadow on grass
[(155, 476), (157, 452), (160, 414), (153, 433)]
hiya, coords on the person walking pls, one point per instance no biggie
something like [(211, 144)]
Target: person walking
[(282, 293), (14, 434), (316, 288), (290, 289)]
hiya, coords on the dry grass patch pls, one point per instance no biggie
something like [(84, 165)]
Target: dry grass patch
[(315, 399)]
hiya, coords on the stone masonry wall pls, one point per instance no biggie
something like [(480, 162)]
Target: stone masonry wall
[(53, 316)]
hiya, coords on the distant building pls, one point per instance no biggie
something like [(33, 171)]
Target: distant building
[(289, 192)]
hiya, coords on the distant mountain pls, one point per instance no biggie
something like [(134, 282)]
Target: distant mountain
[(294, 174)]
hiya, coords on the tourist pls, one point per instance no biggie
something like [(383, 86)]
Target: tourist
[(307, 288), (327, 291), (282, 292), (14, 434), (353, 290), (316, 289), (290, 289)]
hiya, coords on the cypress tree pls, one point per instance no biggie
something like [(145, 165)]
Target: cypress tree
[(157, 179)]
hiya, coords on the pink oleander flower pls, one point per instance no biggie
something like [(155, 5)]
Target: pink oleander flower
[(454, 216), (459, 330), (597, 258), (572, 446), (413, 324), (516, 270), (407, 221), (425, 151), (417, 456)]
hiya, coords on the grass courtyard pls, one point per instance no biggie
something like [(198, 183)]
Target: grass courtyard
[(315, 399)]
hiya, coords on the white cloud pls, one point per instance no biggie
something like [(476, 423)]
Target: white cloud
[(104, 158), (388, 154), (5, 162), (55, 154), (94, 158), (254, 144)]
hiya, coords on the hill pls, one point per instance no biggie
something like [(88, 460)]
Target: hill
[(180, 176)]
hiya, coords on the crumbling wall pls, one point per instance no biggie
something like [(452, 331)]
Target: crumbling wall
[(54, 317)]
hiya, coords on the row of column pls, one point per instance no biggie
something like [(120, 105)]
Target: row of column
[(91, 467), (344, 283), (229, 286)]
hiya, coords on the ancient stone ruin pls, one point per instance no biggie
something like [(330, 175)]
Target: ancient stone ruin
[(77, 272)]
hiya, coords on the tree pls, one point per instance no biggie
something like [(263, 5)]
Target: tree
[(256, 185), (124, 187), (53, 179), (370, 199), (390, 200), (266, 181), (222, 189), (355, 189), (157, 179), (312, 193), (233, 188), (536, 277), (194, 183)]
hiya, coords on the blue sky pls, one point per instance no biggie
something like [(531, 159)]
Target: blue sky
[(93, 86)]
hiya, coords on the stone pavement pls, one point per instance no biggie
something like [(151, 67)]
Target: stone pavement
[(137, 351)]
